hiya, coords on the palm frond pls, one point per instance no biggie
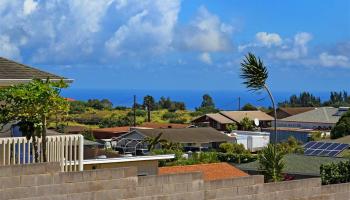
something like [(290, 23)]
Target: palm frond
[(254, 72)]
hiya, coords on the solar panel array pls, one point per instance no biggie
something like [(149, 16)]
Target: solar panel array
[(324, 148)]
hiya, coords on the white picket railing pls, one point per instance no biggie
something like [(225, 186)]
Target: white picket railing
[(65, 149)]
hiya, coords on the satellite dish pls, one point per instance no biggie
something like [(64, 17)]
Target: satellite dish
[(256, 122)]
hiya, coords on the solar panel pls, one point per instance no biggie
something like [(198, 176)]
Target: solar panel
[(324, 148)]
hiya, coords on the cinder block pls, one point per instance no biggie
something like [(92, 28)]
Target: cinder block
[(9, 182)]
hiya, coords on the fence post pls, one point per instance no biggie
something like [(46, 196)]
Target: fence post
[(81, 152)]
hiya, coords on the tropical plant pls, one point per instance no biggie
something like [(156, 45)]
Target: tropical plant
[(255, 74), (271, 163), (246, 124), (292, 145), (334, 173), (32, 104), (232, 148), (231, 127), (152, 142)]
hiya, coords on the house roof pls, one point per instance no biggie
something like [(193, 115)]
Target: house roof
[(220, 118), (163, 125), (117, 129), (213, 171), (13, 72), (317, 115), (295, 110), (239, 115), (186, 135), (343, 140), (297, 164)]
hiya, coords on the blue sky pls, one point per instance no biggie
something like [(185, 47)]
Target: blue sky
[(174, 44)]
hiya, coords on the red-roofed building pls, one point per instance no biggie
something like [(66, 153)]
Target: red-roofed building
[(213, 171), (107, 133)]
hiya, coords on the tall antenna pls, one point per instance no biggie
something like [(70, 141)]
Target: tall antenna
[(134, 108)]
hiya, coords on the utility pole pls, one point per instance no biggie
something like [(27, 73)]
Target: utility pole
[(134, 108), (239, 103)]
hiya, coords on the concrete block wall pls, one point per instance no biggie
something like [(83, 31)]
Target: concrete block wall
[(45, 181)]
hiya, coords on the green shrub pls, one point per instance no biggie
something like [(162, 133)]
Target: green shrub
[(170, 115), (236, 158), (232, 148), (334, 173), (178, 121)]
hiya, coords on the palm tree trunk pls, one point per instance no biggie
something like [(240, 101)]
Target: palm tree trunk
[(274, 111), (43, 135)]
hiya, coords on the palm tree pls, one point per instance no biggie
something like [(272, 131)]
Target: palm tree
[(271, 162), (255, 74)]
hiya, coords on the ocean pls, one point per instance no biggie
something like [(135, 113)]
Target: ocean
[(224, 100)]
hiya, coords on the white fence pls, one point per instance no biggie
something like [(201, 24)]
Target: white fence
[(66, 149)]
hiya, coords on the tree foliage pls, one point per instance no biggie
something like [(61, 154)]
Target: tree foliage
[(231, 127), (246, 124), (334, 173), (248, 107), (342, 127), (207, 105), (271, 163), (32, 104)]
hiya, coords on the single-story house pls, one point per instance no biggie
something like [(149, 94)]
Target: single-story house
[(214, 120), (108, 133), (204, 137), (220, 120), (283, 112), (212, 171), (296, 166), (322, 118)]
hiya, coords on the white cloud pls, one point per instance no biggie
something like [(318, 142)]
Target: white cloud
[(148, 30), (8, 49), (298, 49), (268, 39), (328, 60), (29, 6), (205, 58), (263, 39), (205, 33)]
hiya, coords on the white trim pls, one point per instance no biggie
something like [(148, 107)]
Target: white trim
[(129, 159)]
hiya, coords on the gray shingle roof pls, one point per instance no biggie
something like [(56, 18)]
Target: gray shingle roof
[(317, 115), (187, 135), (220, 118), (11, 70)]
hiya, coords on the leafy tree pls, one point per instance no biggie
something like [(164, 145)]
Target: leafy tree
[(342, 127), (271, 162), (164, 103), (248, 107), (305, 99), (207, 101), (207, 105), (106, 104), (115, 120), (291, 146), (95, 103), (32, 104), (149, 104), (232, 148), (77, 107), (255, 74), (246, 124), (231, 127)]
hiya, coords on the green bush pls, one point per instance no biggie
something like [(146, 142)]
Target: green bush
[(178, 121), (236, 158), (334, 173), (232, 148), (342, 127), (170, 115)]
